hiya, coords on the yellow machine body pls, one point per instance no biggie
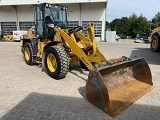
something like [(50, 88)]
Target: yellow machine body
[(8, 37), (154, 38), (112, 85)]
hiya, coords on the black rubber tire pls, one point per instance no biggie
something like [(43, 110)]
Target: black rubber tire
[(157, 47), (61, 60), (83, 65), (31, 59)]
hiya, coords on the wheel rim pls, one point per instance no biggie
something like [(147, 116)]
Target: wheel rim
[(51, 63), (27, 54), (154, 44)]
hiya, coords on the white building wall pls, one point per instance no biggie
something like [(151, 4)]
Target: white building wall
[(94, 12), (25, 13), (88, 12), (7, 14), (73, 12)]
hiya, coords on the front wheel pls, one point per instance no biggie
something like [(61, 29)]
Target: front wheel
[(28, 53), (155, 43), (56, 62)]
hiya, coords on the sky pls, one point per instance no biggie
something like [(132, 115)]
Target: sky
[(124, 8)]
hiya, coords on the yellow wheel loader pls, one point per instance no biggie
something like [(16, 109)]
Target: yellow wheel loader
[(8, 37), (154, 39), (112, 85)]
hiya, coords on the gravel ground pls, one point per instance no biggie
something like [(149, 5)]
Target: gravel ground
[(27, 93)]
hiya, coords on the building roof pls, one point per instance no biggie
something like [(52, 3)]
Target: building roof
[(28, 2)]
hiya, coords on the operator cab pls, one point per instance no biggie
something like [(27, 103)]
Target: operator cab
[(48, 16), (56, 15)]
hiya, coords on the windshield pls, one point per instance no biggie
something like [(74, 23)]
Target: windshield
[(56, 15)]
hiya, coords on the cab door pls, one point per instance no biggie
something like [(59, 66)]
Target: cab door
[(39, 20)]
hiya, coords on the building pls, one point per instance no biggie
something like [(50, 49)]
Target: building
[(19, 14)]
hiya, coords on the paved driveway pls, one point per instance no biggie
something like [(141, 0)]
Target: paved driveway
[(27, 93)]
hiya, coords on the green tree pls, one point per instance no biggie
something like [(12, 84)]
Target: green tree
[(123, 26), (107, 25), (155, 20), (114, 24), (133, 21), (138, 25), (142, 25), (131, 26), (157, 17)]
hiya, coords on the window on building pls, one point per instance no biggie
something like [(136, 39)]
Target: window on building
[(8, 27), (26, 25), (97, 27), (72, 24)]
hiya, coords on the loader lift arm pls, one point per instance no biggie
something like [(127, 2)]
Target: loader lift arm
[(93, 55), (75, 48)]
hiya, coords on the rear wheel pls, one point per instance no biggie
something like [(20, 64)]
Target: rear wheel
[(56, 62), (155, 43), (28, 53)]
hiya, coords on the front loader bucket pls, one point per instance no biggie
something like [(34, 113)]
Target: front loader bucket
[(114, 87)]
